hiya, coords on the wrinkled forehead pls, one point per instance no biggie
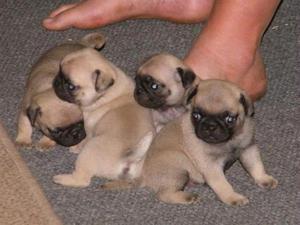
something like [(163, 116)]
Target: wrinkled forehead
[(84, 62), (78, 61), (85, 54), (216, 98), (161, 67)]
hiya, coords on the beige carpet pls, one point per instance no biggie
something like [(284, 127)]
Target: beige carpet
[(21, 199)]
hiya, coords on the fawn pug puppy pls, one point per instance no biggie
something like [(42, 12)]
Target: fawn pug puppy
[(60, 121), (217, 130), (163, 83), (119, 131)]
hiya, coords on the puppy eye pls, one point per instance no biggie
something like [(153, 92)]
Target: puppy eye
[(197, 116), (230, 119), (71, 87), (154, 86)]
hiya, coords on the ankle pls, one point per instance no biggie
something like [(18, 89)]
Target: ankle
[(240, 66), (260, 90), (255, 81)]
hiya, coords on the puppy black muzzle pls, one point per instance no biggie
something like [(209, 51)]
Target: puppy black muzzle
[(145, 93), (61, 86), (213, 131), (70, 135)]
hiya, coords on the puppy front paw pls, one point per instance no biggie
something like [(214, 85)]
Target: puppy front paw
[(70, 180), (44, 144), (236, 200), (267, 182), (23, 144), (62, 179)]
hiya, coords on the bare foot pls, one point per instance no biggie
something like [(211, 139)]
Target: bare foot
[(96, 13), (240, 66), (228, 47)]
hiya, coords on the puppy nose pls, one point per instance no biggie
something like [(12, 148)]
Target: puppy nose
[(212, 127), (75, 134)]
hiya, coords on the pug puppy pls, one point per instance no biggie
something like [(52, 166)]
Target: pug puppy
[(163, 83), (223, 127), (217, 130), (119, 131), (60, 122)]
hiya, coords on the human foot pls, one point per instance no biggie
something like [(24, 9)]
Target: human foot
[(242, 67), (96, 13), (228, 45)]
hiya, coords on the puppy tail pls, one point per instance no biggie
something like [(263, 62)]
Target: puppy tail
[(94, 40), (138, 152)]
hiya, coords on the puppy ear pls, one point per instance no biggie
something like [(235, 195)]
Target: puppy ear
[(190, 94), (101, 81), (247, 105), (187, 76), (94, 40), (32, 114)]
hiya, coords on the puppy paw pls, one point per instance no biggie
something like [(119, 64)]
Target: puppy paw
[(25, 145), (43, 147), (236, 200), (70, 180), (63, 179), (178, 197), (267, 182), (44, 144), (191, 198)]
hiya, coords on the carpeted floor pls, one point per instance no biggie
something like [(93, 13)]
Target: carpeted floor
[(278, 121)]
